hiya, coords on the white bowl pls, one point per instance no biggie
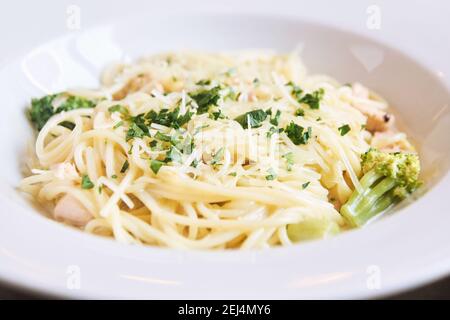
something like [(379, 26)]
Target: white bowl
[(400, 251)]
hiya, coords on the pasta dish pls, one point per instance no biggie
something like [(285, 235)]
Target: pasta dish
[(215, 151)]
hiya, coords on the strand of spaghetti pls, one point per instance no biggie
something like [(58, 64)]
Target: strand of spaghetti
[(118, 194), (116, 221), (167, 215), (148, 232), (192, 214), (282, 235), (107, 134), (263, 195), (54, 121), (111, 185)]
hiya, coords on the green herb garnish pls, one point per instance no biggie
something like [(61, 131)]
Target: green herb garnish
[(273, 130), (67, 124), (119, 108), (42, 109), (252, 119), (203, 82), (135, 131), (313, 99), (162, 137), (124, 166), (271, 174), (300, 112), (217, 157), (206, 98), (276, 118), (171, 119), (155, 165), (296, 91), (289, 160), (298, 134), (86, 183), (118, 124), (343, 130), (174, 155)]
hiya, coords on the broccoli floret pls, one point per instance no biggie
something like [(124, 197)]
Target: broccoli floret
[(387, 179)]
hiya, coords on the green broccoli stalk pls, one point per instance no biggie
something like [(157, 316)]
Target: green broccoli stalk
[(387, 179)]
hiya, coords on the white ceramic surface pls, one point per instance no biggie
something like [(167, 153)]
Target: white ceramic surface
[(397, 252)]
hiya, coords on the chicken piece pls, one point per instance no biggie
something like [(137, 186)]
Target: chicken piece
[(70, 210), (133, 85), (390, 141), (378, 120)]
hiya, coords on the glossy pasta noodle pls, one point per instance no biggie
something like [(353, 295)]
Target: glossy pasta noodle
[(206, 151)]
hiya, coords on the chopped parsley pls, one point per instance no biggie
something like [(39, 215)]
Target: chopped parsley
[(174, 155), (300, 112), (162, 137), (171, 119), (152, 144), (232, 94), (273, 130), (233, 174), (289, 160), (271, 174), (252, 119), (119, 108), (313, 99), (125, 166), (298, 134), (206, 98), (217, 115), (217, 156), (42, 109), (203, 82), (155, 165), (276, 118), (343, 130), (118, 124), (135, 131), (67, 124), (74, 102), (86, 183), (296, 91), (114, 176), (194, 163), (305, 185)]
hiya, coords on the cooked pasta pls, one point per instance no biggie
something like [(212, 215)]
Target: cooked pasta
[(207, 151)]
